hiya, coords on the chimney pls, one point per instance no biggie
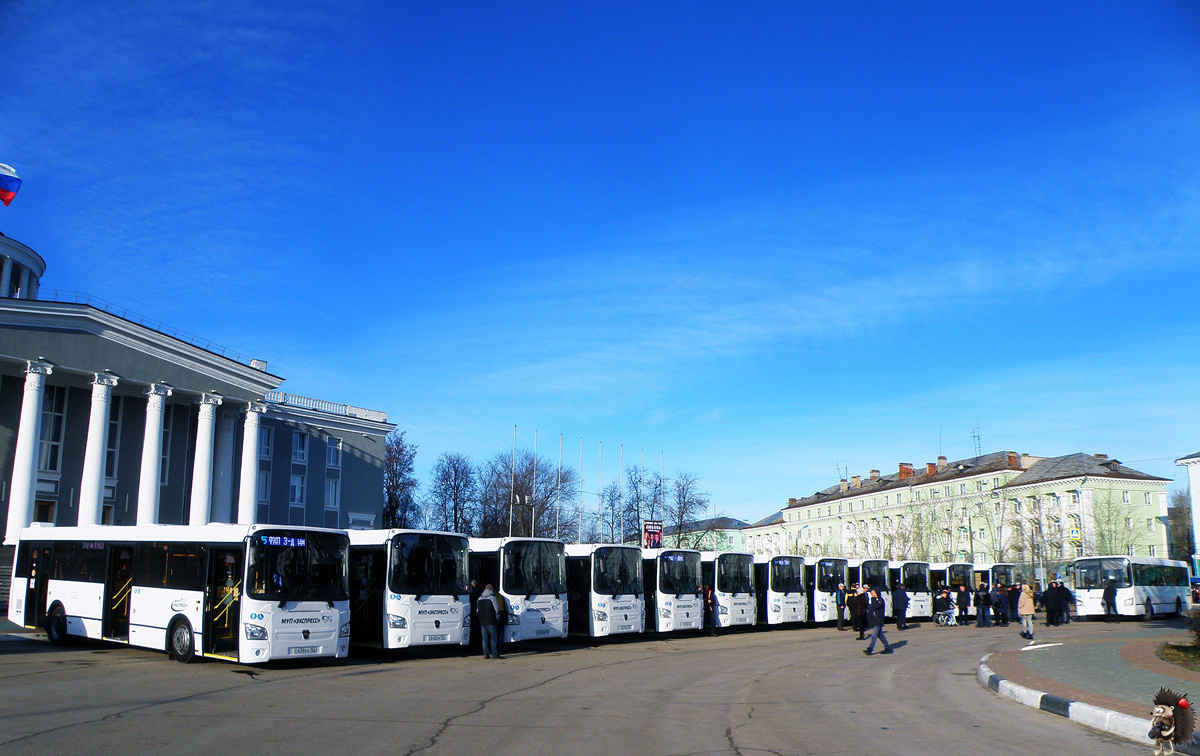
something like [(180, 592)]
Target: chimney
[(1101, 457), (941, 463), (855, 481), (259, 365), (844, 485), (874, 475), (931, 468), (793, 502), (1012, 461), (906, 470)]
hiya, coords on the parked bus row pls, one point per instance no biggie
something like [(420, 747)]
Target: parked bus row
[(261, 592)]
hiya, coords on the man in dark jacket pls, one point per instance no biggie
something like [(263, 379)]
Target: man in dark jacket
[(839, 598), (858, 610), (1014, 602), (1000, 606), (1051, 603), (900, 606), (488, 610), (1110, 602), (874, 616), (983, 606), (710, 610), (962, 600)]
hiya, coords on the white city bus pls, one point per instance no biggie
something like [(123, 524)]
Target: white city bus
[(408, 588), (1145, 585), (995, 573), (531, 575), (731, 573), (951, 575), (604, 589), (780, 582), (244, 593), (823, 580), (914, 576), (873, 573), (673, 598)]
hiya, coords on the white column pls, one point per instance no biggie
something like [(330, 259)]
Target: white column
[(25, 457), (248, 484), (202, 465), (222, 483), (6, 277), (148, 487), (91, 486), (1193, 468), (24, 283)]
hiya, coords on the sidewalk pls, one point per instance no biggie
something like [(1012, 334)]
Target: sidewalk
[(1101, 675)]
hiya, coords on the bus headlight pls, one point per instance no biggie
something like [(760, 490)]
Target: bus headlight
[(255, 632), (723, 609), (600, 616), (514, 619), (344, 632), (466, 619), (396, 622), (664, 613)]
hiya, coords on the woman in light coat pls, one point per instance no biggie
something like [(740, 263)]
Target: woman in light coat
[(1025, 611)]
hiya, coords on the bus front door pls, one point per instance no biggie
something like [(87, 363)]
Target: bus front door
[(224, 602), (117, 590), (368, 580), (37, 585)]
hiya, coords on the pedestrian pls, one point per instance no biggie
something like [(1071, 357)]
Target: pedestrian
[(943, 605), (1000, 606), (1014, 598), (488, 611), (858, 610), (839, 600), (983, 606), (1110, 602), (710, 610), (900, 606), (1051, 603), (962, 600), (875, 609), (1025, 611), (1068, 600)]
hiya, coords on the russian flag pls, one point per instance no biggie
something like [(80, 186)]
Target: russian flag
[(9, 184)]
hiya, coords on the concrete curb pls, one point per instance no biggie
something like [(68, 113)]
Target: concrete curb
[(1121, 725)]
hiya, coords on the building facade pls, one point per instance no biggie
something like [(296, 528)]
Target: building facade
[(999, 507), (714, 534), (109, 419)]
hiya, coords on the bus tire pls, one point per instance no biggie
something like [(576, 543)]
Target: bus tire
[(1149, 616), (56, 627), (1178, 607), (181, 641)]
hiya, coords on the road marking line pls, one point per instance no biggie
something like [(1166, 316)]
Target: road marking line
[(1041, 645)]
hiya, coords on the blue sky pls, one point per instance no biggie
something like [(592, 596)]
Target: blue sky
[(762, 241)]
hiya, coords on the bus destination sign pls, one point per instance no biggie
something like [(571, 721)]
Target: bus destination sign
[(284, 541)]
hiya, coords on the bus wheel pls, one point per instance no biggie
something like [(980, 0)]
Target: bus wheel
[(1178, 607), (1149, 611), (56, 627), (181, 642)]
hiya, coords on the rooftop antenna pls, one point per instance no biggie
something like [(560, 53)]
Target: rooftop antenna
[(975, 438)]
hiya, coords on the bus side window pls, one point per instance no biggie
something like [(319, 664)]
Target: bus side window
[(152, 566), (185, 567), (67, 563), (24, 560)]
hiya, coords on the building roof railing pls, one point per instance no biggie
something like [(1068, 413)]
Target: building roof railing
[(321, 405)]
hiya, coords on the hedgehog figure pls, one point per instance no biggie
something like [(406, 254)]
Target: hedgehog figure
[(1172, 721)]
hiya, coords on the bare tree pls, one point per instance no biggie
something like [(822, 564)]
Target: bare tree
[(400, 507), (1116, 529), (685, 507), (523, 500), (1181, 542), (453, 494)]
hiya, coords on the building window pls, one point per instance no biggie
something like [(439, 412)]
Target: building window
[(54, 413), (1130, 552), (840, 507), (333, 453), (266, 441), (114, 438), (1147, 498), (1150, 551), (1074, 497), (296, 490), (333, 493), (1150, 526), (1125, 497), (1129, 525), (264, 486), (995, 482), (948, 490), (164, 466), (299, 447), (979, 484)]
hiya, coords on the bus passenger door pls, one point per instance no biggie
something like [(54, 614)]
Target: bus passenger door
[(224, 602), (37, 585), (367, 596), (117, 590)]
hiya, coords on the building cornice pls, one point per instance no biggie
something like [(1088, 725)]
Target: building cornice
[(22, 254), (327, 420)]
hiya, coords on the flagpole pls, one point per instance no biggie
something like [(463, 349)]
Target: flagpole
[(512, 483), (533, 508), (558, 490), (580, 490), (622, 499)]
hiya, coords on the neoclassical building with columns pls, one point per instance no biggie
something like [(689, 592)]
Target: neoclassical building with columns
[(106, 418)]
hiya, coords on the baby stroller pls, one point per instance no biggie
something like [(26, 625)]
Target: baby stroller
[(946, 618)]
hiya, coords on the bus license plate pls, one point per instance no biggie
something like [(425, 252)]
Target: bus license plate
[(624, 628), (304, 650), (435, 638), (541, 632)]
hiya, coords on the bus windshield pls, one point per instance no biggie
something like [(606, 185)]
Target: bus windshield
[(679, 572), (297, 565), (734, 573), (1095, 573), (915, 577), (874, 574), (830, 572), (1002, 574), (428, 564), (534, 567), (785, 575), (961, 574), (617, 571)]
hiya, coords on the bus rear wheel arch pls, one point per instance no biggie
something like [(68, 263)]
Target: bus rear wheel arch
[(1149, 611), (56, 626), (181, 641)]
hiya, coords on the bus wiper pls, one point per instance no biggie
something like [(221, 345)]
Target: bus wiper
[(283, 603), (330, 602), (528, 596)]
